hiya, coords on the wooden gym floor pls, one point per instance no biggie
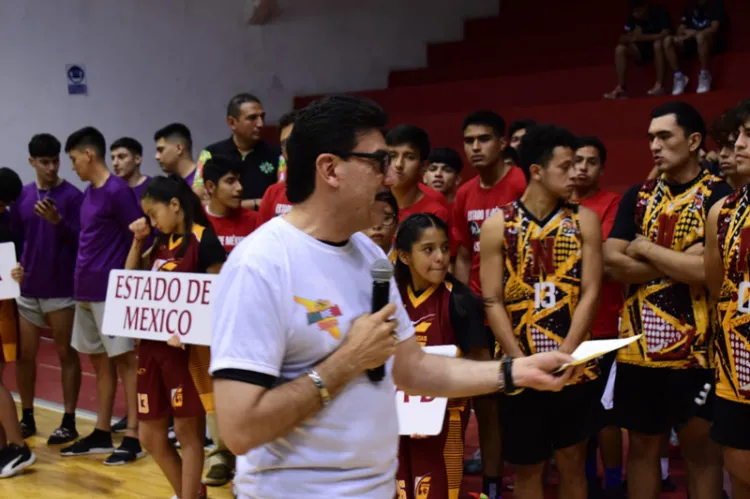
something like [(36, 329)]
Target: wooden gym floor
[(57, 477)]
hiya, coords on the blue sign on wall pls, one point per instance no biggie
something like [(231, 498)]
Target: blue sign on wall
[(77, 79)]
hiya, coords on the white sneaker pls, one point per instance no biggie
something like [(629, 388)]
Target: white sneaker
[(704, 82), (679, 84)]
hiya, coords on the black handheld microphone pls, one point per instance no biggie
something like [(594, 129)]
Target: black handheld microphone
[(381, 272)]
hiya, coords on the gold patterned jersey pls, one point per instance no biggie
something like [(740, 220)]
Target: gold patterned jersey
[(673, 317), (542, 282), (733, 337)]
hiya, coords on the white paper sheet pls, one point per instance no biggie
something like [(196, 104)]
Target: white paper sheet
[(8, 287), (589, 350)]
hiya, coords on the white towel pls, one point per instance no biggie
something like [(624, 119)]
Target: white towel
[(608, 397)]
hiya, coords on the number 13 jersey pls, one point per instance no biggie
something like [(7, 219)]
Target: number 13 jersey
[(542, 281)]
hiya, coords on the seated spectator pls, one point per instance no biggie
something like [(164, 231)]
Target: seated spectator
[(517, 130), (646, 29), (444, 172), (700, 33)]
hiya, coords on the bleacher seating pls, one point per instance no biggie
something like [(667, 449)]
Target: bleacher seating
[(552, 61)]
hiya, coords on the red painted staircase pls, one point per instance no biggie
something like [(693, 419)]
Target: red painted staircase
[(552, 61)]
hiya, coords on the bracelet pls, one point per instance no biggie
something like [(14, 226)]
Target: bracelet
[(255, 205), (325, 397)]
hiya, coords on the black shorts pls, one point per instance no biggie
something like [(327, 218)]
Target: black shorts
[(652, 400), (730, 426), (646, 49), (536, 424)]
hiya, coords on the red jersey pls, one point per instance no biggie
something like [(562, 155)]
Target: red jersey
[(274, 203), (232, 228), (605, 205), (432, 202), (473, 205)]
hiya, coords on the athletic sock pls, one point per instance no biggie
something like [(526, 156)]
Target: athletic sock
[(69, 421), (131, 444), (664, 468), (101, 436), (27, 416), (492, 486), (613, 477)]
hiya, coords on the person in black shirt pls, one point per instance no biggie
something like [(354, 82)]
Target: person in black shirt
[(645, 31), (260, 160), (699, 33)]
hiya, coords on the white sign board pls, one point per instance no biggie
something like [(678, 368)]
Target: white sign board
[(9, 288), (156, 305), (418, 415)]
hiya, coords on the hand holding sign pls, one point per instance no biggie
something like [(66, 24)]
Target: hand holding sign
[(17, 274)]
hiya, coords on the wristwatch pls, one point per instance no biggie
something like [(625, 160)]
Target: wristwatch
[(506, 366)]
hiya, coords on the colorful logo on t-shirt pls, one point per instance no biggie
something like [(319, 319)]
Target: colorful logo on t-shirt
[(322, 313), (266, 167)]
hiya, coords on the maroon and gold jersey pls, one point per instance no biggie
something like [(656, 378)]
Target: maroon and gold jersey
[(542, 282), (202, 250), (673, 317), (733, 338), (443, 314), (430, 315)]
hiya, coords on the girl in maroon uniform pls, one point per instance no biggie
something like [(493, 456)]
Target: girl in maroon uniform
[(167, 382), (444, 312)]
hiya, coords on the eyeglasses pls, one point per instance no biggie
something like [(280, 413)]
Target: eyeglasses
[(389, 219), (382, 157)]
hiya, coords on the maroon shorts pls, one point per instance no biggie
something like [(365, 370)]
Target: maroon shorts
[(433, 467), (164, 383), (8, 331)]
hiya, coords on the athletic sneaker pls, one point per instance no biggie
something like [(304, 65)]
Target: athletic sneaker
[(221, 469), (99, 442), (129, 450), (704, 82), (679, 84), (120, 426), (28, 429), (62, 435), (14, 459)]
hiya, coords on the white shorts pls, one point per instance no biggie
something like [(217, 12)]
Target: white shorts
[(35, 310), (88, 337)]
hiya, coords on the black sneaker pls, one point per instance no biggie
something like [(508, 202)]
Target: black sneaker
[(123, 455), (28, 429), (62, 435), (120, 426), (91, 444), (14, 459)]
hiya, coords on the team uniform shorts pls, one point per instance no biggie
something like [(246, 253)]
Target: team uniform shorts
[(433, 466), (8, 331), (653, 400), (35, 310), (88, 337), (165, 386), (730, 426), (605, 365), (536, 424)]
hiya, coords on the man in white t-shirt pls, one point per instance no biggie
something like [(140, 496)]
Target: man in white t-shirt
[(293, 336)]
